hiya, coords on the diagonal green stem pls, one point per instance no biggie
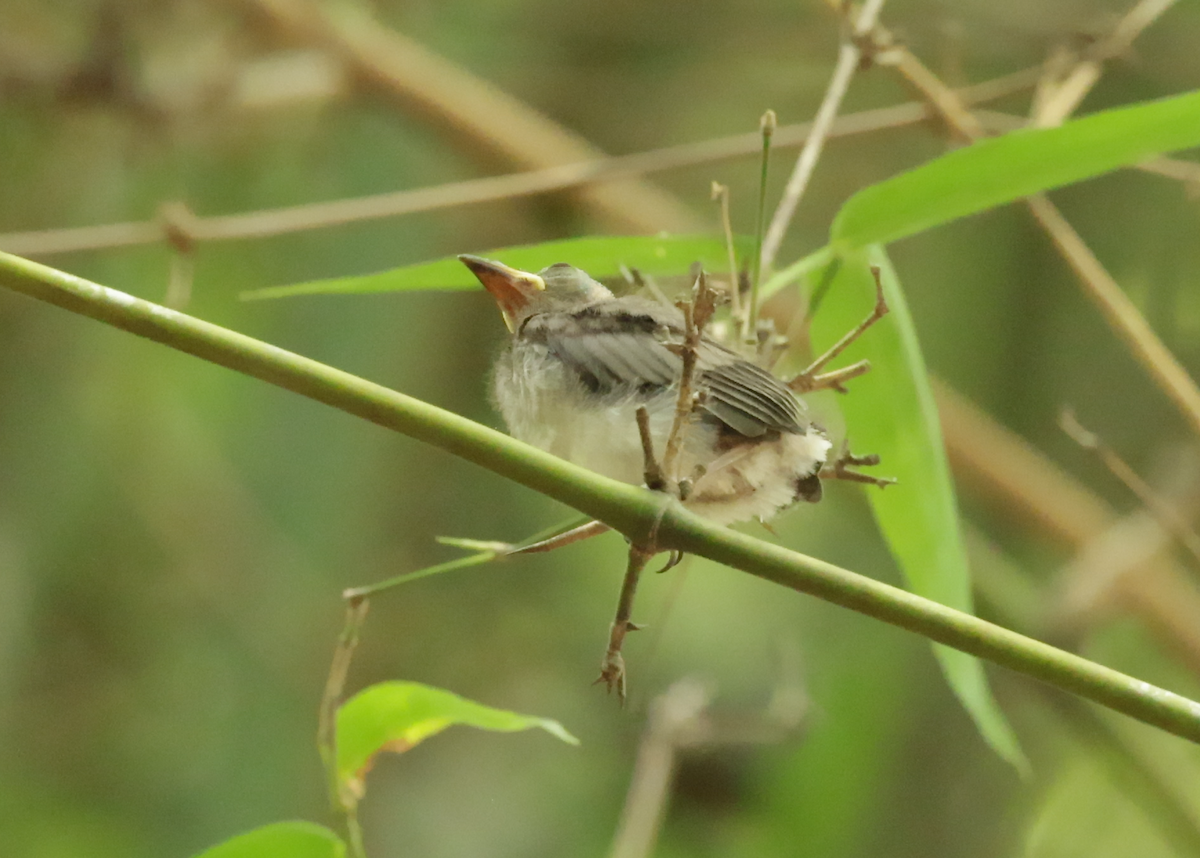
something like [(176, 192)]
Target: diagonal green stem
[(641, 515)]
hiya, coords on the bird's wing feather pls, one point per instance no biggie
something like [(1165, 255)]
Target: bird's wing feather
[(746, 396), (617, 348)]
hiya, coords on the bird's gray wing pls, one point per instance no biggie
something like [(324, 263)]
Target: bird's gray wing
[(614, 347), (745, 396), (619, 348)]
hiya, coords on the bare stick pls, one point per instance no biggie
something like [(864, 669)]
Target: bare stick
[(266, 223), (944, 100), (849, 57), (807, 379), (1166, 513), (612, 668)]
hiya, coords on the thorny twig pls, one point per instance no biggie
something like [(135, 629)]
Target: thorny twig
[(811, 379), (696, 315), (612, 667), (840, 469)]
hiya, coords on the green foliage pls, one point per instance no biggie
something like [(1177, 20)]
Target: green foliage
[(891, 412), (1002, 169), (295, 839), (395, 716), (600, 256)]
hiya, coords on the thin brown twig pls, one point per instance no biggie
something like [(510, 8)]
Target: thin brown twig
[(1061, 97), (925, 83), (1166, 513), (265, 223), (850, 55), (809, 380), (941, 98)]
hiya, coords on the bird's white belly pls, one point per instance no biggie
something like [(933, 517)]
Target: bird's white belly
[(543, 404)]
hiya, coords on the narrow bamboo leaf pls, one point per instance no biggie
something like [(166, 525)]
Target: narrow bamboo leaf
[(890, 411), (395, 716), (296, 839), (600, 256), (1002, 169)]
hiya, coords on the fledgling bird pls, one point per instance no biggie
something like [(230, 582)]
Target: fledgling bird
[(581, 362)]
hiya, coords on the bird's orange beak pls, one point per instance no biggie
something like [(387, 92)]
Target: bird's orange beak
[(511, 287)]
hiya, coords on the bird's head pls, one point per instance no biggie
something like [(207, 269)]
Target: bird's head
[(520, 294)]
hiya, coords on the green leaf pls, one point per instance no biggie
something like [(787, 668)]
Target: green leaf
[(1002, 169), (296, 839), (600, 256), (890, 411), (395, 716)]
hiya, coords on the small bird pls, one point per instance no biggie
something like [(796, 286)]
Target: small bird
[(581, 363)]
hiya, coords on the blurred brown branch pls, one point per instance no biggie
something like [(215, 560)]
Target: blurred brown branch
[(1003, 469), (1160, 593), (1121, 313), (279, 221), (1164, 511), (475, 113)]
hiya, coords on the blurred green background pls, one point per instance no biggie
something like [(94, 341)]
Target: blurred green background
[(174, 537)]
